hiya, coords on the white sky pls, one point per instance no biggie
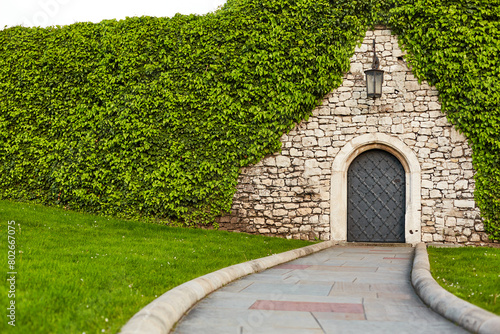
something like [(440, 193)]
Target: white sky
[(44, 13)]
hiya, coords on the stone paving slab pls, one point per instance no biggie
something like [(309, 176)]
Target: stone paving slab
[(288, 289), (343, 289), (383, 327)]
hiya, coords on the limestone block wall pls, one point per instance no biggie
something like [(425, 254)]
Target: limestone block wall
[(288, 194)]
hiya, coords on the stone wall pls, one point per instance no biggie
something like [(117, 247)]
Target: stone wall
[(288, 194)]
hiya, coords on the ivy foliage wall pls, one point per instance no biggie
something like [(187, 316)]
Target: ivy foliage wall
[(153, 117), (455, 46)]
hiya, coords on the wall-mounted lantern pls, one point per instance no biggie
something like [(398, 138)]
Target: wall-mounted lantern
[(374, 77)]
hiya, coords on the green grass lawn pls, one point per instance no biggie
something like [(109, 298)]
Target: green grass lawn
[(471, 273), (81, 273)]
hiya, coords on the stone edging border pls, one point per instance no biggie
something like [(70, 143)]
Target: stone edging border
[(159, 316), (457, 310)]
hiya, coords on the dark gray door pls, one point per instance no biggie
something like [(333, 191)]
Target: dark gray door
[(376, 198)]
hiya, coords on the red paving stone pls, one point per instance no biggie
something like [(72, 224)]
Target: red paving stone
[(345, 268), (292, 266), (275, 305)]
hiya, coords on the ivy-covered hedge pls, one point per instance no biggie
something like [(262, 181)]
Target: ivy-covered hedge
[(154, 117)]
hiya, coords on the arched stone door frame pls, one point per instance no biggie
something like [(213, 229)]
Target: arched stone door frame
[(338, 190)]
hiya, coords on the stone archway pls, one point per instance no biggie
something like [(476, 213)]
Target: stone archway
[(338, 198)]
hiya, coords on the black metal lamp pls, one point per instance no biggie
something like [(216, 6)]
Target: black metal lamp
[(374, 77)]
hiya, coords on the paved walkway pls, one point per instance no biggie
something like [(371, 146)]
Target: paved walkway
[(344, 289)]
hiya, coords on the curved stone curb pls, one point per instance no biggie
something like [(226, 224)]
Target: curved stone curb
[(160, 315), (459, 311)]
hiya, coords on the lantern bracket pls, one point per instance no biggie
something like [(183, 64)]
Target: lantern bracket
[(376, 61)]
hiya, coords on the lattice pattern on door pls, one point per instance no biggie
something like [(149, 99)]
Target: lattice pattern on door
[(376, 198)]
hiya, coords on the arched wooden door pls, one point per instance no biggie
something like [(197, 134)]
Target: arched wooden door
[(376, 198)]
